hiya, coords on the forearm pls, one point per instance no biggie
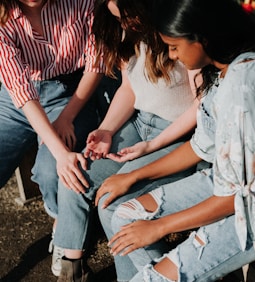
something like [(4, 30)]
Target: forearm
[(181, 126), (42, 126), (178, 160), (211, 210), (84, 91), (121, 107), (120, 110)]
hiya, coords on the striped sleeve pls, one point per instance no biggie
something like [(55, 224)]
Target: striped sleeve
[(90, 48), (14, 74)]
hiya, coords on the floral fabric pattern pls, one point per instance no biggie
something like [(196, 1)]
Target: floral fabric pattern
[(226, 138)]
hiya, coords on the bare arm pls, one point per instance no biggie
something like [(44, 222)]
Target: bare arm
[(84, 91), (121, 107), (181, 126), (184, 124), (64, 123), (143, 233), (212, 209), (180, 159), (67, 162), (120, 110), (116, 185)]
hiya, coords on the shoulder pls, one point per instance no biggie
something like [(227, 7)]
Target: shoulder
[(238, 85)]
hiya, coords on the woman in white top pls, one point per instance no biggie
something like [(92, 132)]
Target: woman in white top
[(152, 113)]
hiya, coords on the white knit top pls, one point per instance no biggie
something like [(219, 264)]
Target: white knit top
[(166, 100)]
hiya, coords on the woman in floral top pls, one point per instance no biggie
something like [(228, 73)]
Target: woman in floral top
[(219, 201)]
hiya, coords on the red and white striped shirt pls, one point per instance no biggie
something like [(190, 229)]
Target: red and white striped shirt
[(67, 45)]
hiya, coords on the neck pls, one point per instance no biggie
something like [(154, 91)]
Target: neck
[(222, 67), (33, 14), (32, 8)]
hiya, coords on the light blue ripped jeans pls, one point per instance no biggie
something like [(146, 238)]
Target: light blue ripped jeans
[(17, 135), (220, 254), (73, 228)]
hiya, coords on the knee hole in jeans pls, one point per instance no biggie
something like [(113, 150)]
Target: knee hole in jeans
[(144, 207), (168, 269)]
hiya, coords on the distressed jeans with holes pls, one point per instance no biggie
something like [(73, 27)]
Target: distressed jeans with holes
[(72, 231), (220, 253)]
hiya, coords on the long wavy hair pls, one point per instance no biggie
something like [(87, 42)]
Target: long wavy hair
[(223, 27), (119, 39)]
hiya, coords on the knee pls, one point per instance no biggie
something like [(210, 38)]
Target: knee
[(66, 197), (165, 268), (44, 171), (144, 207)]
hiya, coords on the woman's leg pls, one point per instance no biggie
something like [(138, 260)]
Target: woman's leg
[(207, 255), (16, 136), (86, 121), (44, 170), (149, 126), (138, 189), (72, 232), (170, 198)]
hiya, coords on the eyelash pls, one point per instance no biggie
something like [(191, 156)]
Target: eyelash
[(172, 48)]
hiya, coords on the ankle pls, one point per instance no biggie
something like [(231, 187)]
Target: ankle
[(73, 254)]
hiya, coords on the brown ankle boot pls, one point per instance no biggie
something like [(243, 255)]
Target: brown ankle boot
[(72, 271)]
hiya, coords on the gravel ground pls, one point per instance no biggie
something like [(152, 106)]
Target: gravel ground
[(25, 233)]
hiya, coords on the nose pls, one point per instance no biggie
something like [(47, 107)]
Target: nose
[(172, 54)]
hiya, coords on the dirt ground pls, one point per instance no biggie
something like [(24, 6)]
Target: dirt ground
[(25, 233)]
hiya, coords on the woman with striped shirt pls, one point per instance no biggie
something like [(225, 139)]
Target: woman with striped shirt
[(47, 75)]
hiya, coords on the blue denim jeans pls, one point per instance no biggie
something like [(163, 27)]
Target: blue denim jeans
[(220, 254), (17, 136), (72, 230)]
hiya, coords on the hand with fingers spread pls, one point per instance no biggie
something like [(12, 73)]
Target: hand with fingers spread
[(116, 185), (70, 173), (134, 236), (131, 153), (98, 144)]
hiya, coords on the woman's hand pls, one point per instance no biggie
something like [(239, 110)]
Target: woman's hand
[(131, 153), (70, 173), (98, 144), (65, 130), (134, 236), (116, 185)]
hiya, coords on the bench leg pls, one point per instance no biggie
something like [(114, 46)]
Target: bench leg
[(28, 190)]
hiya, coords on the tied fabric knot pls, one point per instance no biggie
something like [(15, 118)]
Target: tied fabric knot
[(240, 215)]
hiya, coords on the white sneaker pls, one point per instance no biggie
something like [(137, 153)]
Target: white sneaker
[(57, 254)]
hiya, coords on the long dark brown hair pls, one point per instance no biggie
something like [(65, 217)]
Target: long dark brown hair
[(223, 27), (119, 39)]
